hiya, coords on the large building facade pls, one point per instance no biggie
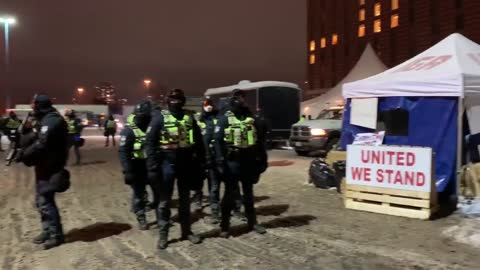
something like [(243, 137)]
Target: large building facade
[(338, 31)]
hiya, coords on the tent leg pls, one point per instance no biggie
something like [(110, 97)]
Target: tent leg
[(459, 142)]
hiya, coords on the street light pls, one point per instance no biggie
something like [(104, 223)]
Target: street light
[(7, 21), (147, 83), (80, 90)]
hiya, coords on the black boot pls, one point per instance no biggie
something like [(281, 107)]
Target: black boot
[(53, 242), (41, 238), (197, 201), (194, 239), (142, 223), (259, 229), (215, 217), (162, 241), (239, 215)]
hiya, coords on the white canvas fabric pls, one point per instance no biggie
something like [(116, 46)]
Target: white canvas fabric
[(367, 65), (449, 68)]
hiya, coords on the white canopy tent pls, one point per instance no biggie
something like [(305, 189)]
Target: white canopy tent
[(450, 68), (368, 64)]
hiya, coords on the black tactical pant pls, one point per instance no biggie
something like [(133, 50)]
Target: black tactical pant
[(139, 194), (175, 170), (72, 143), (46, 206), (243, 172)]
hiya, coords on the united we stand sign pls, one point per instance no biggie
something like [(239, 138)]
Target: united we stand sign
[(390, 180)]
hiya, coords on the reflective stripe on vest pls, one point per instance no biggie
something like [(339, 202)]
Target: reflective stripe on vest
[(139, 144), (176, 133), (71, 126), (12, 124), (240, 134)]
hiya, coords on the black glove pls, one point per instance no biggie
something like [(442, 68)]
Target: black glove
[(129, 178)]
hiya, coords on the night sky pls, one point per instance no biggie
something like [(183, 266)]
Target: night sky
[(58, 45)]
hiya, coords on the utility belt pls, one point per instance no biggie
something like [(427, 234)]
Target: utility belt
[(176, 155), (234, 153)]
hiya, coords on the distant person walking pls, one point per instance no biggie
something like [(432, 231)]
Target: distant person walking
[(110, 130)]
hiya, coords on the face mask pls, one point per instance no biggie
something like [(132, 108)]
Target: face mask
[(208, 108), (174, 106)]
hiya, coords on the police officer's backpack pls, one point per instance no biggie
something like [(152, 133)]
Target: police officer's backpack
[(60, 182), (321, 175)]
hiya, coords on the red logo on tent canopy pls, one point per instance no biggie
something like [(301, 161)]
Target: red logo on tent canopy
[(426, 63)]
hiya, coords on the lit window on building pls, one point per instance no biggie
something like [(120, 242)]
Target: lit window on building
[(377, 26), (395, 4), (361, 2), (334, 39), (361, 30), (312, 45), (377, 10), (323, 43), (312, 59), (394, 21), (361, 15)]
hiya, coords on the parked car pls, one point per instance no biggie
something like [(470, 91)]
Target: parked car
[(322, 133)]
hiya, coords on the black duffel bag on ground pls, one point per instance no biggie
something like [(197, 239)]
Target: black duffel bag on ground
[(339, 167), (321, 175)]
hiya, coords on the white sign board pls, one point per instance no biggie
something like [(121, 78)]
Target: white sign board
[(405, 168), (369, 138), (364, 112)]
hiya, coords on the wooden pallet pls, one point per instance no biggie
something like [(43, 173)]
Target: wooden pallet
[(412, 204)]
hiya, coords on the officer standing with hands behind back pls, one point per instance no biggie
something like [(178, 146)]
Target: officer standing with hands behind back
[(241, 157), (174, 145)]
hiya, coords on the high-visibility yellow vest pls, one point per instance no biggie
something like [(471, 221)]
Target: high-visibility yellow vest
[(240, 133), (71, 126), (12, 124), (139, 144), (131, 119), (111, 124), (177, 133)]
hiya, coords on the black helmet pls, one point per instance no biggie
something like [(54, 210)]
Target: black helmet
[(177, 94), (41, 105), (145, 107), (239, 93)]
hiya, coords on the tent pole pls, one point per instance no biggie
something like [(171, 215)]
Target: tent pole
[(459, 142)]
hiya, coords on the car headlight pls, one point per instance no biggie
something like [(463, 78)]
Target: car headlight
[(120, 125), (318, 132)]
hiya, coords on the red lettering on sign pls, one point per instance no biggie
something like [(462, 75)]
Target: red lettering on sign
[(380, 175), (367, 175), (376, 157), (365, 156), (390, 155), (357, 173), (389, 173), (410, 159), (400, 159), (398, 178), (409, 178), (420, 179)]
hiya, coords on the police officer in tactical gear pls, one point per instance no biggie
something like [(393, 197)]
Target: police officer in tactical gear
[(74, 131), (133, 160), (11, 125), (110, 130), (48, 153), (241, 157), (174, 145), (207, 122)]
